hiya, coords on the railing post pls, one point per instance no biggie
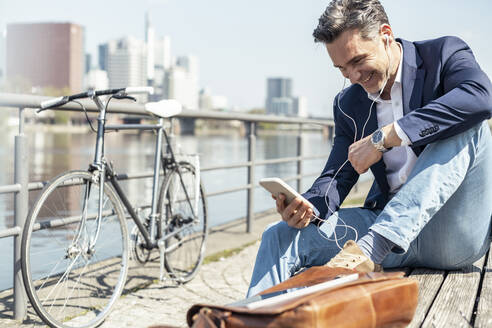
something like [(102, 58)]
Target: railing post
[(299, 161), (172, 137), (21, 204), (331, 132), (251, 177)]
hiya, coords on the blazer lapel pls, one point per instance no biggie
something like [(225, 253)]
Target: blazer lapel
[(412, 77), (412, 87), (412, 81)]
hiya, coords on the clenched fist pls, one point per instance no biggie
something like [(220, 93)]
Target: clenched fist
[(362, 154)]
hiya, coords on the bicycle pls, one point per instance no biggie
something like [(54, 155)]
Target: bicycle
[(75, 242)]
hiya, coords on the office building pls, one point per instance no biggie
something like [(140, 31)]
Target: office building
[(127, 62), (280, 101), (208, 101), (162, 53), (277, 88), (189, 63), (96, 79), (162, 64), (102, 54), (300, 106), (88, 63), (281, 106), (181, 82), (46, 54)]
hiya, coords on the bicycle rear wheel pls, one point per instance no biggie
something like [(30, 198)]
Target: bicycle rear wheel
[(185, 248), (70, 283)]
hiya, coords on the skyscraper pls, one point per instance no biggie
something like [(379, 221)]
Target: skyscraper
[(88, 63), (279, 100), (279, 87), (181, 82), (281, 106), (189, 63), (127, 62), (102, 54), (162, 52), (46, 54), (149, 40), (278, 91), (300, 106), (162, 63)]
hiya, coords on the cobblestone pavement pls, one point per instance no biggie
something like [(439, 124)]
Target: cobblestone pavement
[(162, 303), (219, 282)]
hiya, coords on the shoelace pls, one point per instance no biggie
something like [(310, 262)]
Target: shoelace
[(345, 259)]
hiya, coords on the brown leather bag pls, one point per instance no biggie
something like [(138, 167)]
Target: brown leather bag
[(373, 300)]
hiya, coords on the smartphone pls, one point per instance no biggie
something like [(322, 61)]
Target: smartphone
[(277, 186)]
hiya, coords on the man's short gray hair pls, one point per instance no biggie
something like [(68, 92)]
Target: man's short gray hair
[(343, 15)]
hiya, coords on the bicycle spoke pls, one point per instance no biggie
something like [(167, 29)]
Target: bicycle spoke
[(65, 274), (63, 266), (49, 276), (186, 226), (183, 241), (76, 284)]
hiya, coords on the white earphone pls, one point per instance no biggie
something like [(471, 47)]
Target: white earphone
[(355, 139)]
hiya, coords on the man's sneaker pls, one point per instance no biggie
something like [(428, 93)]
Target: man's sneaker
[(352, 257)]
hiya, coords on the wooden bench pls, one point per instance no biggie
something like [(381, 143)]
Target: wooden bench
[(455, 298)]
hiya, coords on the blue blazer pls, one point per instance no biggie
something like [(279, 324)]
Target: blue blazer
[(444, 93)]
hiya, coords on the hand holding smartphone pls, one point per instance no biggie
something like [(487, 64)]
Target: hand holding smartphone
[(297, 215), (277, 186)]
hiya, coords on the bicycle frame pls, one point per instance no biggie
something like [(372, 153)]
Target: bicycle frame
[(84, 276), (106, 171)]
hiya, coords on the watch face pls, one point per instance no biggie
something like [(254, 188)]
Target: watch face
[(377, 136)]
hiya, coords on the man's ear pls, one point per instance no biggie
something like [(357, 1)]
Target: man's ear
[(386, 33)]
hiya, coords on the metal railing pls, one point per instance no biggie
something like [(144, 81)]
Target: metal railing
[(22, 186)]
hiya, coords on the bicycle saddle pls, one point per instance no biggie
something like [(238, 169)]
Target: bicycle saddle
[(164, 108)]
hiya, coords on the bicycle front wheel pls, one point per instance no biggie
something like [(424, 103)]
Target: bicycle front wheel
[(187, 233), (75, 264)]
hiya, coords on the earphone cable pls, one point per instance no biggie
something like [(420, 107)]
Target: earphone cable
[(331, 211)]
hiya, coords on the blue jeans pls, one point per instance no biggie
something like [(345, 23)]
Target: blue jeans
[(440, 218)]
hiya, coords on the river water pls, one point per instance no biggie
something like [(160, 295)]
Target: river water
[(53, 153)]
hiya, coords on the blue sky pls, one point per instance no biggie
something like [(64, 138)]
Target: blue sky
[(241, 43)]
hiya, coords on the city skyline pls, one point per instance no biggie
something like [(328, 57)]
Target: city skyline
[(240, 45)]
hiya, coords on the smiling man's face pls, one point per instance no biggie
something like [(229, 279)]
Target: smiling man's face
[(362, 61)]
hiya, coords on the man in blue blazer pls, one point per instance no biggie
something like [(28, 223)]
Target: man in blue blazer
[(415, 115)]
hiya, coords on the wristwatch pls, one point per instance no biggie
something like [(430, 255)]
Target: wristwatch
[(377, 140)]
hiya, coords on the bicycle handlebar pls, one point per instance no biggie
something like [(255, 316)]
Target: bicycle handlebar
[(133, 90), (59, 101), (52, 103)]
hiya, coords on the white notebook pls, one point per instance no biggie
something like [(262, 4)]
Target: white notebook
[(301, 292)]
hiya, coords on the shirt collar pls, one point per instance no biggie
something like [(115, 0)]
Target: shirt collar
[(375, 96)]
